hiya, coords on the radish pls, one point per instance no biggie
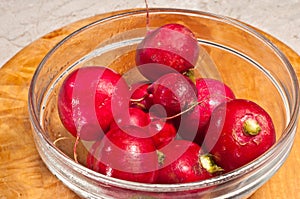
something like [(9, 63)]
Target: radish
[(161, 132), (125, 154), (239, 131), (84, 101), (169, 48), (174, 92), (140, 97), (137, 118), (211, 93), (183, 161)]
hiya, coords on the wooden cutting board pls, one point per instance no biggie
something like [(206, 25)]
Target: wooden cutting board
[(22, 172)]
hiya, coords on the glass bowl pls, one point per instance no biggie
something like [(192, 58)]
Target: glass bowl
[(232, 51)]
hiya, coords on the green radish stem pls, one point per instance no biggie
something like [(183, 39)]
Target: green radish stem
[(191, 75), (207, 163), (251, 127), (161, 157)]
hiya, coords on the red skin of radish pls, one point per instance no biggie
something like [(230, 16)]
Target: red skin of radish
[(227, 139), (125, 155), (162, 133), (84, 101), (181, 163), (171, 45), (211, 93), (174, 92), (137, 118), (140, 97)]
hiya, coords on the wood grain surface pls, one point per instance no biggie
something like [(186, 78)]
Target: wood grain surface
[(22, 172)]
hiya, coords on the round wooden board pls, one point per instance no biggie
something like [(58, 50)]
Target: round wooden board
[(22, 172)]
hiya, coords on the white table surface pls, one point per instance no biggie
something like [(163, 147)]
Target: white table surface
[(23, 21)]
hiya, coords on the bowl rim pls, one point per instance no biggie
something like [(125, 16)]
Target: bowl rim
[(34, 118)]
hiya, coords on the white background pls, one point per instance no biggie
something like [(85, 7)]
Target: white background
[(23, 21)]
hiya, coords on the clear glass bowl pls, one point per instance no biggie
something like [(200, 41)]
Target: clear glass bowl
[(244, 59)]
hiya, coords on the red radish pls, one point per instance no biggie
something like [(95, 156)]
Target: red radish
[(137, 118), (171, 45), (84, 101), (161, 132), (239, 131), (183, 161), (211, 93), (174, 92), (140, 97), (121, 155)]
